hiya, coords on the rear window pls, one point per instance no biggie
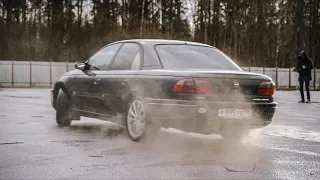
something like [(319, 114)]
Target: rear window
[(194, 57)]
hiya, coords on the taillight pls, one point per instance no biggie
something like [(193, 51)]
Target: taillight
[(190, 86), (185, 86), (267, 89)]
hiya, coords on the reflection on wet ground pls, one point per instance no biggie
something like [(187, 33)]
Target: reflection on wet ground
[(34, 147), (179, 148)]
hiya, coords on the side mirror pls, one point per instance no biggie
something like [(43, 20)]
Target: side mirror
[(80, 65)]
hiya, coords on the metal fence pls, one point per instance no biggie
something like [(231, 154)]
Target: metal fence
[(44, 74)]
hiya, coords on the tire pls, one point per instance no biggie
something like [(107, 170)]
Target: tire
[(138, 120), (62, 109)]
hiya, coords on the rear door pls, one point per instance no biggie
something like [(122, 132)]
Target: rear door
[(114, 84)]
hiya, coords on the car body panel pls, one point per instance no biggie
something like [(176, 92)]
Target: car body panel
[(106, 93)]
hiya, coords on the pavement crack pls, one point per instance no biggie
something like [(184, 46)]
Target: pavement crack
[(28, 97), (73, 141), (9, 143), (231, 170), (182, 163), (95, 156), (37, 116), (117, 151)]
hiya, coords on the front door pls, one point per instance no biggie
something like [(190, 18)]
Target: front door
[(79, 88), (114, 84), (99, 63)]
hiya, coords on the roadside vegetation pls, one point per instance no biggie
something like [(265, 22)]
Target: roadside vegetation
[(255, 33)]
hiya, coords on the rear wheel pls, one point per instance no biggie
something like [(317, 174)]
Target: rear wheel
[(136, 123), (62, 109), (139, 124)]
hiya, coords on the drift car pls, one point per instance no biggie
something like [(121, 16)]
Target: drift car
[(143, 84)]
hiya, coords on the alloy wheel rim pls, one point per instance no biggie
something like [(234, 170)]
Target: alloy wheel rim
[(136, 119)]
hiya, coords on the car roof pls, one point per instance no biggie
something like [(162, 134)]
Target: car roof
[(163, 41)]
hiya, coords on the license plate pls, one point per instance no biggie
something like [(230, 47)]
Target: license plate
[(235, 113)]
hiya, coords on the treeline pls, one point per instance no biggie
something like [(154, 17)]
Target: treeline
[(261, 33), (253, 32)]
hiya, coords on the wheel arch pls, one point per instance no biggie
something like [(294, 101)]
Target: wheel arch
[(57, 87), (127, 99)]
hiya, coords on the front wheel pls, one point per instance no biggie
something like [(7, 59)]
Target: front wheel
[(62, 109)]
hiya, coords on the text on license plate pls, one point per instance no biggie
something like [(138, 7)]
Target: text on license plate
[(235, 113)]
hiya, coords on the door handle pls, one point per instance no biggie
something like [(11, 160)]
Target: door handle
[(125, 82), (96, 81)]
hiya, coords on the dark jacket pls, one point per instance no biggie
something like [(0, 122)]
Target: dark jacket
[(304, 73)]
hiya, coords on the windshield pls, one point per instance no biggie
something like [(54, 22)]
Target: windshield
[(193, 57)]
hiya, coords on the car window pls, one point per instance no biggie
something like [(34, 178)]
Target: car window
[(194, 57), (125, 57), (136, 61), (103, 58)]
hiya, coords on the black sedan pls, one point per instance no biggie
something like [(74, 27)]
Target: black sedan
[(148, 84)]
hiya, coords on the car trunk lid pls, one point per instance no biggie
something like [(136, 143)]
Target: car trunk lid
[(230, 85)]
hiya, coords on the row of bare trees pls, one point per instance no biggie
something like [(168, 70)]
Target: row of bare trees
[(257, 33), (260, 33)]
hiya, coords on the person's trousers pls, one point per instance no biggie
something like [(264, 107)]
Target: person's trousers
[(307, 83)]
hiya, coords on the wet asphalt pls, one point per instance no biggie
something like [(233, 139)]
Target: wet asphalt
[(32, 146)]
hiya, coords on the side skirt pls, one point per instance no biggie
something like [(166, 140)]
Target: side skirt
[(118, 119)]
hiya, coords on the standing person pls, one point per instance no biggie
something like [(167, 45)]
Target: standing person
[(304, 66)]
